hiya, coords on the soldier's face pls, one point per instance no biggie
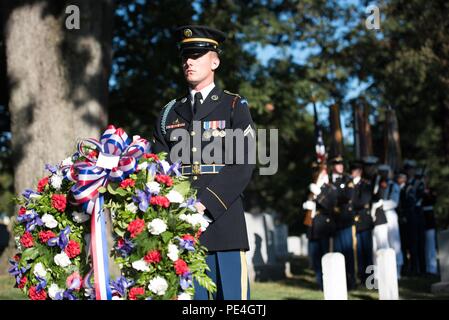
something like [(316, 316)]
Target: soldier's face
[(339, 168), (200, 68)]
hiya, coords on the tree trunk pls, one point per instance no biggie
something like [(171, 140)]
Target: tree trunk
[(58, 80), (337, 135), (392, 155)]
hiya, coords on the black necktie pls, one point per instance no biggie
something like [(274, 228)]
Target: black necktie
[(197, 102)]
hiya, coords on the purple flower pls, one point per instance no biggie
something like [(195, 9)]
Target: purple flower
[(152, 168), (51, 168), (186, 244), (27, 193), (16, 271), (68, 294), (32, 220), (125, 247), (62, 240), (190, 204), (186, 280), (143, 199), (120, 285), (41, 285)]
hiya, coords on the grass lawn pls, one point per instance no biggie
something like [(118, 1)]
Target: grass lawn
[(301, 286)]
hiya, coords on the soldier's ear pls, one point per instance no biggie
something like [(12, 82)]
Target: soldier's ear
[(215, 62)]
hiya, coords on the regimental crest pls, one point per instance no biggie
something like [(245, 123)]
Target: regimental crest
[(187, 33)]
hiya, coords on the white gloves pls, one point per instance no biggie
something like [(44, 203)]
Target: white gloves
[(315, 189), (309, 205)]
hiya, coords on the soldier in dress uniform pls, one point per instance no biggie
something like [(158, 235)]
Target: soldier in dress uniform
[(361, 201), (428, 202), (344, 217), (207, 114), (415, 218), (322, 228), (402, 210)]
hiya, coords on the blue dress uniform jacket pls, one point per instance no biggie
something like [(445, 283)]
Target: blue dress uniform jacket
[(323, 224), (220, 193), (344, 216), (361, 201)]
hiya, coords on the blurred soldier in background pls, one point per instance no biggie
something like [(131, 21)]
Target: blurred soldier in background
[(344, 218), (322, 226), (415, 218), (402, 211), (390, 193), (429, 199), (360, 204)]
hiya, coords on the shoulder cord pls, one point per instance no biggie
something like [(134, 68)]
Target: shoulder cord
[(167, 109)]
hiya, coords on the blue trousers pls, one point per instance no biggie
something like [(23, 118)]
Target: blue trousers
[(317, 249), (364, 253), (343, 243), (228, 270)]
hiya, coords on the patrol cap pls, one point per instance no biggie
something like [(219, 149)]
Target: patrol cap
[(384, 168), (199, 39), (337, 160)]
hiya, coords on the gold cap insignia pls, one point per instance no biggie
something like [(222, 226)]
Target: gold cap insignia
[(187, 33)]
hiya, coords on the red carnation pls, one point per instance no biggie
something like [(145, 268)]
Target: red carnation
[(72, 249), (23, 282), (27, 240), (188, 237), (44, 236), (134, 292), (151, 156), (153, 256), (160, 201), (16, 258), (22, 211), (161, 178), (41, 184), (127, 183), (198, 234), (180, 267), (136, 227), (120, 242), (93, 154), (34, 295), (59, 202)]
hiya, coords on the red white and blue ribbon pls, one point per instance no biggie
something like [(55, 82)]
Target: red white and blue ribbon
[(117, 159)]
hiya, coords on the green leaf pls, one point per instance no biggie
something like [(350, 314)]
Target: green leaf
[(166, 236), (183, 188), (111, 190), (102, 190), (30, 254)]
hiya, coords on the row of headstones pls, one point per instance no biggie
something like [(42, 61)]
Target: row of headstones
[(385, 276)]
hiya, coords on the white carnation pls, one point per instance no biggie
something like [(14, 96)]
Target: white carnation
[(35, 196), (140, 265), (80, 217), (62, 259), (131, 207), (39, 270), (142, 166), (53, 290), (184, 296), (158, 285), (50, 221), (195, 219), (173, 252), (154, 187), (175, 197), (56, 181), (157, 226), (67, 162)]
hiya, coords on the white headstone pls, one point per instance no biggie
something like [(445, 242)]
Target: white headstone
[(304, 245), (257, 254), (270, 231), (334, 276), (443, 254), (387, 278), (294, 245)]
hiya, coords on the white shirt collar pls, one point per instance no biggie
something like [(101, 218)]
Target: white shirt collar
[(204, 92), (357, 180)]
